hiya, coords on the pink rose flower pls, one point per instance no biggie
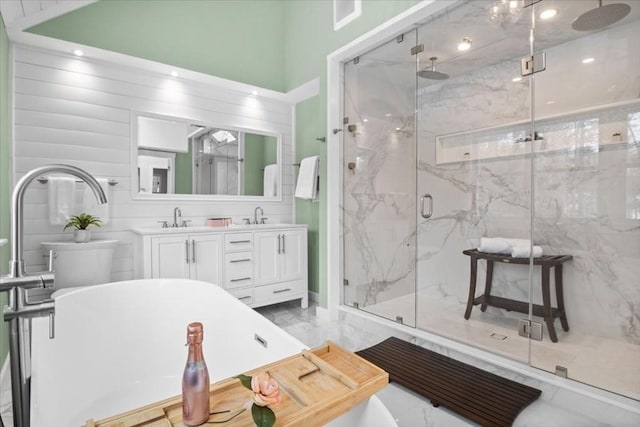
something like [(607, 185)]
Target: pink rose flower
[(266, 391)]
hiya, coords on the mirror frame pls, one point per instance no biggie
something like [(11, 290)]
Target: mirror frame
[(135, 195)]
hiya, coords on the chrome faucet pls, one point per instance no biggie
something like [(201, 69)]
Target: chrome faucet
[(177, 213), (255, 214), (18, 281)]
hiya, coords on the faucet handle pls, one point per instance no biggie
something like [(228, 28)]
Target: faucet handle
[(184, 222), (263, 219), (247, 221), (164, 224)]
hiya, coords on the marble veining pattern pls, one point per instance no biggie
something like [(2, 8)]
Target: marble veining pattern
[(557, 407), (581, 199)]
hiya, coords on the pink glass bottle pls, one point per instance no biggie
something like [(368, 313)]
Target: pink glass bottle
[(195, 380)]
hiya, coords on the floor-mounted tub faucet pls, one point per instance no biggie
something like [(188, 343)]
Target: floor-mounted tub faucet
[(18, 281), (255, 214)]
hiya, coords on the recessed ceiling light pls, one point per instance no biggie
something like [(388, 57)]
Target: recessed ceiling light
[(174, 73), (365, 120), (551, 102), (397, 128), (78, 52), (548, 13), (388, 115), (516, 79), (254, 92), (466, 44), (588, 60)]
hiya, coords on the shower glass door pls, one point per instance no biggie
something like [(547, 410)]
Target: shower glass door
[(474, 167), (587, 189), (379, 187)]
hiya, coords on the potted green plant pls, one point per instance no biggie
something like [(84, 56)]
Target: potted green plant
[(80, 223)]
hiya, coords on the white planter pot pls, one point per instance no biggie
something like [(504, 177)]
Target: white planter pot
[(81, 236)]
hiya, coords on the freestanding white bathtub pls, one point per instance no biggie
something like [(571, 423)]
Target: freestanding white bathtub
[(120, 345)]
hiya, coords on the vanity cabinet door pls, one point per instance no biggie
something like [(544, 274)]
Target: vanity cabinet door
[(267, 257), (206, 258), (293, 262), (169, 257)]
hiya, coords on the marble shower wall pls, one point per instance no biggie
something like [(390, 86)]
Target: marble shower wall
[(380, 185), (586, 183)]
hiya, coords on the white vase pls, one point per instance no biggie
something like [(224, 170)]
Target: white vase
[(81, 236)]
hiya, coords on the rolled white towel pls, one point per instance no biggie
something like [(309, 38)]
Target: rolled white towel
[(524, 252), (494, 245)]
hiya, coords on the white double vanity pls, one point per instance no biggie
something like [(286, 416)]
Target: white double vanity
[(258, 264)]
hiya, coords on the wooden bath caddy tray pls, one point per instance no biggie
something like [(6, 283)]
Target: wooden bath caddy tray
[(317, 386)]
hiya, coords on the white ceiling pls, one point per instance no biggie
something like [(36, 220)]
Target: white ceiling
[(22, 14)]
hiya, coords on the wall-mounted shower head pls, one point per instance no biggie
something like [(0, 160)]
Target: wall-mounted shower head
[(601, 16), (431, 73)]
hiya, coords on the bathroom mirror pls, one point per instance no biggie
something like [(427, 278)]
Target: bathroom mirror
[(176, 157)]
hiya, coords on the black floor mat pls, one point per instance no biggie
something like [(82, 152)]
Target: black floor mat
[(480, 396)]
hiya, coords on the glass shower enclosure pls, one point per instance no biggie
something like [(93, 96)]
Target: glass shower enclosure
[(495, 121)]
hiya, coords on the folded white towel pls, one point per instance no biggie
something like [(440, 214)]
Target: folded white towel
[(90, 204), (270, 181), (500, 245), (61, 198), (307, 178), (525, 252)]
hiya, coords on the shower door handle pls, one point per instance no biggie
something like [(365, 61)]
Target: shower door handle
[(422, 212)]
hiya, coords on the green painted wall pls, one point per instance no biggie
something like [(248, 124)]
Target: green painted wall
[(274, 44), (184, 172), (309, 39), (259, 151), (308, 118), (253, 164), (5, 174), (240, 40)]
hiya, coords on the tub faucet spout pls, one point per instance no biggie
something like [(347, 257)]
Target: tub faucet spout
[(18, 281)]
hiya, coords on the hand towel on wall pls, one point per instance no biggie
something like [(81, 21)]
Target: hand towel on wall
[(90, 204), (270, 180), (307, 178), (61, 198)]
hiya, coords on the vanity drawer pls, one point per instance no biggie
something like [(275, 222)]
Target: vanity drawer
[(238, 241), (238, 269), (277, 292), (245, 295)]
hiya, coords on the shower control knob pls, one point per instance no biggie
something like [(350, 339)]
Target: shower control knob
[(351, 165)]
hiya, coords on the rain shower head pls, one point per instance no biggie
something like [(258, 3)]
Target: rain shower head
[(601, 16), (431, 73)]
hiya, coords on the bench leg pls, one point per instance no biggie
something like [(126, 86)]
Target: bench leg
[(560, 298), (487, 284), (472, 286), (546, 303)]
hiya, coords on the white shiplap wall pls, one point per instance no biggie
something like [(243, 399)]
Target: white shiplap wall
[(78, 111)]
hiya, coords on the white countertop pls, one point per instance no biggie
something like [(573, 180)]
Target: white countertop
[(202, 229)]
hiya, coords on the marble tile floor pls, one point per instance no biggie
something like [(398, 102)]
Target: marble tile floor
[(553, 409), (612, 365)]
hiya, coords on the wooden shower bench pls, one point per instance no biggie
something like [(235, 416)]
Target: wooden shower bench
[(545, 310)]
